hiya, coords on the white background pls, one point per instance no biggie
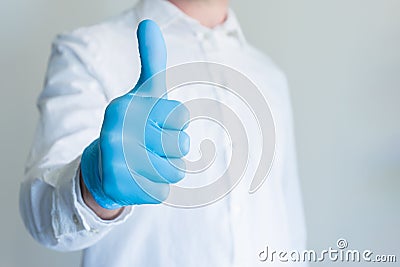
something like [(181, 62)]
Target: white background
[(342, 59)]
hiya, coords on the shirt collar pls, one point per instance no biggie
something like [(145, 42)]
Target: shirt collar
[(166, 14)]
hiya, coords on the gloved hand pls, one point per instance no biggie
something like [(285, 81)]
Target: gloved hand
[(139, 151)]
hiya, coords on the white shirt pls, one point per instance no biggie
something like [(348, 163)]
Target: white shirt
[(91, 66)]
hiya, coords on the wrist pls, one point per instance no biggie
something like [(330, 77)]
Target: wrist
[(105, 214)]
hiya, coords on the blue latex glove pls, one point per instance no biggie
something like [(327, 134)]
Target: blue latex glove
[(153, 136)]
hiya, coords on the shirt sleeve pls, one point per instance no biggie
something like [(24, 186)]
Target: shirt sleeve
[(71, 108), (290, 176)]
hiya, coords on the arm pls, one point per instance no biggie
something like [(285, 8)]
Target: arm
[(98, 183), (103, 213), (71, 110)]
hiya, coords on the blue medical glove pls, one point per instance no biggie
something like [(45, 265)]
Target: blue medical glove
[(139, 151)]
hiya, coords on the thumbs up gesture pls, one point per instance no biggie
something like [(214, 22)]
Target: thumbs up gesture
[(142, 140)]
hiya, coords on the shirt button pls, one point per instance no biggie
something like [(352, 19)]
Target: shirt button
[(75, 219), (94, 230), (232, 34), (203, 35), (199, 35)]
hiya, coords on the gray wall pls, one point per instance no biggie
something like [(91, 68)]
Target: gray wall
[(342, 59)]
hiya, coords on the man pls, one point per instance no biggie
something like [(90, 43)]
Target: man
[(79, 193)]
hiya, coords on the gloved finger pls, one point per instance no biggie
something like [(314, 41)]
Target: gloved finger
[(149, 192), (170, 114), (166, 143), (160, 169), (132, 188)]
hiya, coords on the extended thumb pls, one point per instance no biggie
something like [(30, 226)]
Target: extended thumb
[(152, 50)]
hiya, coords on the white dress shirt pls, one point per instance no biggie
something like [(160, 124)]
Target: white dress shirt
[(91, 66)]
